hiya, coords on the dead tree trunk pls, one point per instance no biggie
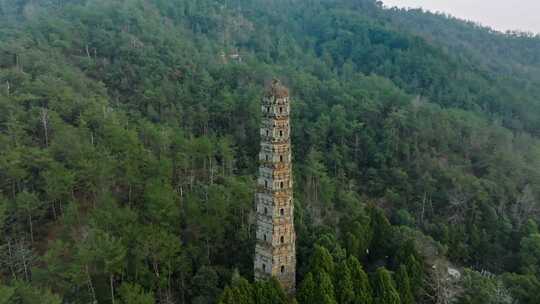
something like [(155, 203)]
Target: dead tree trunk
[(90, 285), (45, 123), (111, 280), (30, 223), (10, 253)]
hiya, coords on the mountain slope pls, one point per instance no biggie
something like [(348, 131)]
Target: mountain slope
[(129, 141)]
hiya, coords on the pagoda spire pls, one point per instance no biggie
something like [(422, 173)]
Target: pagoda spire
[(275, 251)]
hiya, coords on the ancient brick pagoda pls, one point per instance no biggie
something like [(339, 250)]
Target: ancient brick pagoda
[(275, 253)]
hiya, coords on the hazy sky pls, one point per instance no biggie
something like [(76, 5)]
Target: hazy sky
[(499, 14)]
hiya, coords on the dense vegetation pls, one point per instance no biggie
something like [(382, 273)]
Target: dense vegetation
[(129, 139)]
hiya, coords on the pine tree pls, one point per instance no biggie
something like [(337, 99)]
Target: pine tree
[(269, 292), (308, 290), (25, 293), (382, 234), (385, 292), (134, 294), (5, 294), (530, 254), (358, 234), (403, 284), (362, 288), (409, 256), (325, 292), (240, 291), (321, 261), (205, 285), (228, 296), (344, 285), (29, 208), (416, 274)]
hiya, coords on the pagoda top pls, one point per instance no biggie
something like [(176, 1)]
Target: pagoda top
[(276, 89)]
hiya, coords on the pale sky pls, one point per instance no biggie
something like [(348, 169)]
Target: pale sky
[(501, 15)]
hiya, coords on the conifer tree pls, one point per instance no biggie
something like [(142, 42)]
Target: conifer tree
[(5, 294), (344, 285), (317, 289), (242, 289), (134, 294), (308, 290), (205, 285), (358, 234), (269, 292), (362, 287), (382, 234), (385, 292), (24, 293), (531, 227), (403, 285), (228, 296), (325, 291), (416, 273), (408, 255), (29, 208), (321, 261), (359, 237), (530, 254)]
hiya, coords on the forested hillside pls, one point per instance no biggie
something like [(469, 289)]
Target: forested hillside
[(129, 139)]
